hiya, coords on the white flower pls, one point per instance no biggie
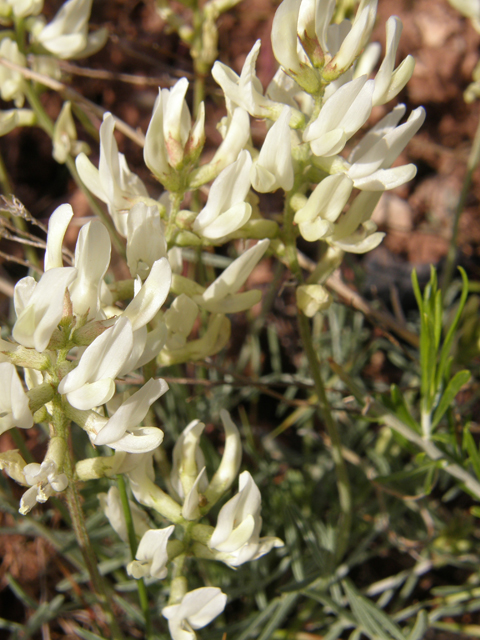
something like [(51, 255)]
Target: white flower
[(353, 43), (342, 115), (226, 209), (113, 182), (235, 130), (64, 139), (273, 168), (24, 8), (237, 534), (246, 90), (39, 306), (67, 35), (14, 409), (45, 480), (11, 82), (191, 504), (370, 161), (92, 382), (389, 82), (151, 295), (92, 257), (312, 298), (10, 119), (470, 9), (354, 232), (222, 295), (303, 39), (111, 504), (230, 464), (197, 609), (122, 431), (188, 460), (170, 137), (145, 239), (151, 557), (57, 227), (323, 207), (180, 319), (214, 339)]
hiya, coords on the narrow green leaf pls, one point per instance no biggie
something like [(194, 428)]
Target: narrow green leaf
[(438, 318), (285, 604), (445, 352), (429, 481), (251, 630), (46, 611), (454, 386), (470, 447), (401, 409), (20, 593), (416, 291), (410, 473), (9, 625), (87, 635), (420, 627), (374, 621)]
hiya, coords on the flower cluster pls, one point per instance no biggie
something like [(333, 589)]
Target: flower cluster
[(80, 336)]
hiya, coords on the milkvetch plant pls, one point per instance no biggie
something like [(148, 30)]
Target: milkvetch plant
[(87, 351)]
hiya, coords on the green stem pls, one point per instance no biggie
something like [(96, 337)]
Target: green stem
[(48, 126), (473, 160), (132, 540), (343, 482), (176, 198), (383, 415), (179, 584), (61, 426)]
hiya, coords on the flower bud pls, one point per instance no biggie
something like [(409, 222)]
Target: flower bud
[(67, 35), (14, 405), (64, 139), (229, 466), (312, 298), (273, 168), (111, 505), (11, 82), (171, 142), (151, 557), (188, 459), (13, 464), (195, 610), (237, 534)]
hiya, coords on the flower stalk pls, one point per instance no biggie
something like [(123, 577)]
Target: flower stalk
[(343, 482), (61, 426)]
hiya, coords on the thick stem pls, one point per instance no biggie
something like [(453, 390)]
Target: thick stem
[(61, 426), (343, 482), (132, 540), (176, 200), (179, 584)]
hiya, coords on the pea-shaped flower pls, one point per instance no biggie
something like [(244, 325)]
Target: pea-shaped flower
[(14, 409), (151, 557), (274, 167), (67, 35), (226, 209), (171, 139), (237, 534), (197, 609)]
